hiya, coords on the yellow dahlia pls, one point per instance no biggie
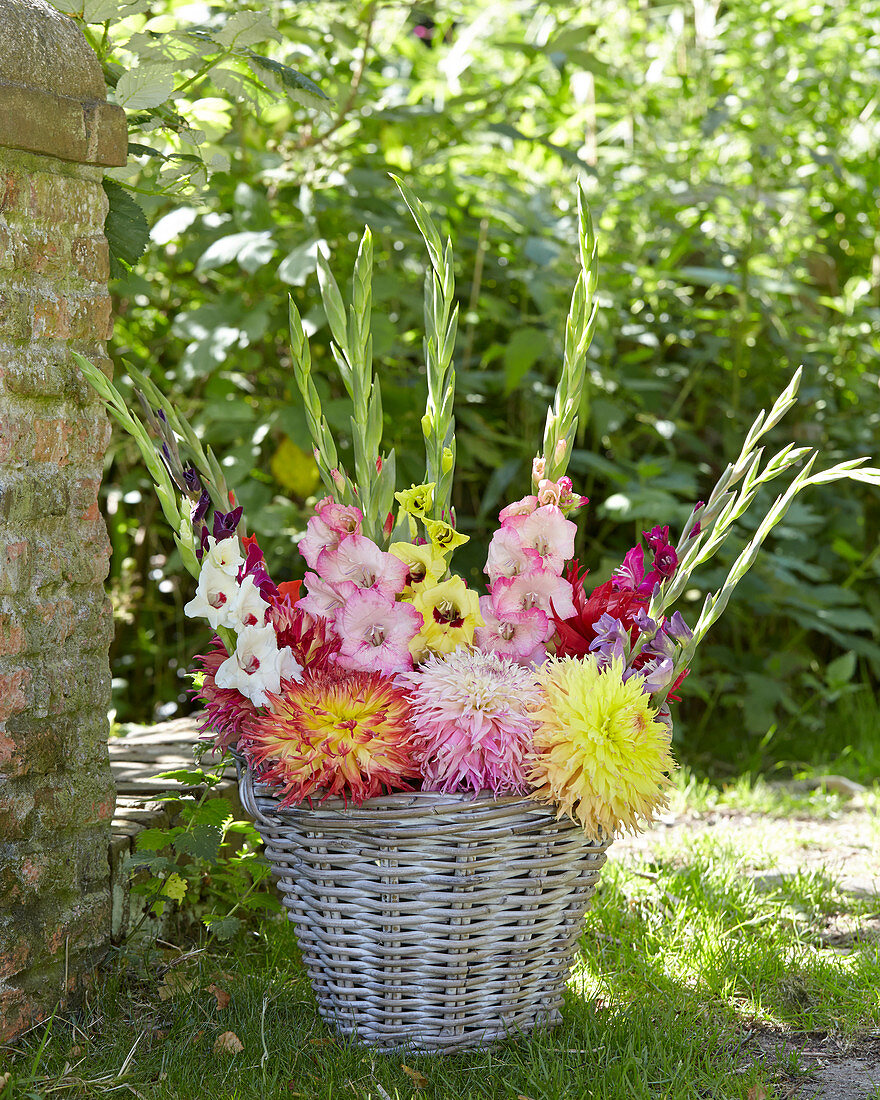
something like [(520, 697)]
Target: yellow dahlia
[(450, 614), (602, 755), (347, 734)]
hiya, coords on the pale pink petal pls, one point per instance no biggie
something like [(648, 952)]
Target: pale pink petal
[(328, 528), (522, 507), (375, 633), (508, 557), (548, 532), (359, 560), (540, 588), (324, 599), (510, 633)]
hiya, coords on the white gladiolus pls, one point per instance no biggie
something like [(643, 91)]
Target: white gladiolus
[(216, 598), (257, 666), (250, 607), (224, 555)]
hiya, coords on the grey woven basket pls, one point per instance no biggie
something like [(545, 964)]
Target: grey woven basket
[(430, 922)]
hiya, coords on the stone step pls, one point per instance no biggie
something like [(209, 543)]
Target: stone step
[(137, 756)]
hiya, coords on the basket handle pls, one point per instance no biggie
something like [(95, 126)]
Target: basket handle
[(246, 791)]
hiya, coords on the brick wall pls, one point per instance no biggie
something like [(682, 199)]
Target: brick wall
[(56, 792)]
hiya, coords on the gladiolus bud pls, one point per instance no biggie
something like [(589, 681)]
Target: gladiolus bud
[(559, 453), (446, 460)]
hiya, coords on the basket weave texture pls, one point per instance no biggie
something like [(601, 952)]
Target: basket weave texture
[(431, 922)]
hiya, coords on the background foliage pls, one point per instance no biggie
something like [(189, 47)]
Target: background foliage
[(730, 154)]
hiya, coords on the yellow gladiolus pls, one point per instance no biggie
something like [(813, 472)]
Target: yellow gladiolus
[(426, 566), (450, 612)]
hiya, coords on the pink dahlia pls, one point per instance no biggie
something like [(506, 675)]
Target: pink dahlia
[(473, 713)]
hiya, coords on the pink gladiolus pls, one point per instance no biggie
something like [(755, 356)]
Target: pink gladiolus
[(523, 507), (539, 588), (325, 530), (324, 599), (549, 532), (507, 555), (359, 560), (375, 633), (518, 635)]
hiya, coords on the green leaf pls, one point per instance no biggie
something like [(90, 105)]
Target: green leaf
[(202, 842), (175, 887), (525, 348), (247, 28), (841, 670), (145, 86), (154, 840), (213, 811), (283, 78), (300, 262), (224, 928), (103, 11), (125, 228), (251, 249)]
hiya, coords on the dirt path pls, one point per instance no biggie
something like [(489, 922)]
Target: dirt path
[(846, 847)]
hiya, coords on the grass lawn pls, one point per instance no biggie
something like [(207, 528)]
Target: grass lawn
[(694, 979)]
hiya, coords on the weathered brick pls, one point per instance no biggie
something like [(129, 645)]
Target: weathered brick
[(91, 255), (29, 497), (90, 318), (19, 1011), (16, 806), (14, 692), (52, 440), (41, 373), (15, 314), (50, 317), (16, 439), (56, 200), (14, 566), (12, 636), (38, 745)]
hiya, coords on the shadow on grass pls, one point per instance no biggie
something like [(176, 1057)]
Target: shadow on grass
[(677, 964)]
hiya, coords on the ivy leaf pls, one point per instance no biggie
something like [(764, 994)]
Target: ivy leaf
[(283, 78), (144, 86), (202, 841), (125, 228)]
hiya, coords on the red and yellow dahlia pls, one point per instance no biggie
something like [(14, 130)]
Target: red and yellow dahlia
[(347, 734)]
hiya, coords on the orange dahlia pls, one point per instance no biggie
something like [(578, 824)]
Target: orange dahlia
[(347, 734)]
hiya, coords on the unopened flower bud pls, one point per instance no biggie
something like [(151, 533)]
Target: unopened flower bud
[(446, 460)]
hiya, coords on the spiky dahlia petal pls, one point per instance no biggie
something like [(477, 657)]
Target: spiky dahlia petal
[(346, 734), (226, 710), (602, 753), (473, 715)]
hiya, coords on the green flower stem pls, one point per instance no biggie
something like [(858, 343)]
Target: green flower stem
[(336, 480), (165, 488), (562, 415), (441, 326), (202, 458)]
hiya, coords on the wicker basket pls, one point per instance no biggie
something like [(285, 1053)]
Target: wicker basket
[(431, 922)]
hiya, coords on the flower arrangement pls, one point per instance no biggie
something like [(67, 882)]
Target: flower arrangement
[(383, 670)]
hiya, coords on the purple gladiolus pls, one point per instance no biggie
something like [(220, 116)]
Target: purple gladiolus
[(225, 523)]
